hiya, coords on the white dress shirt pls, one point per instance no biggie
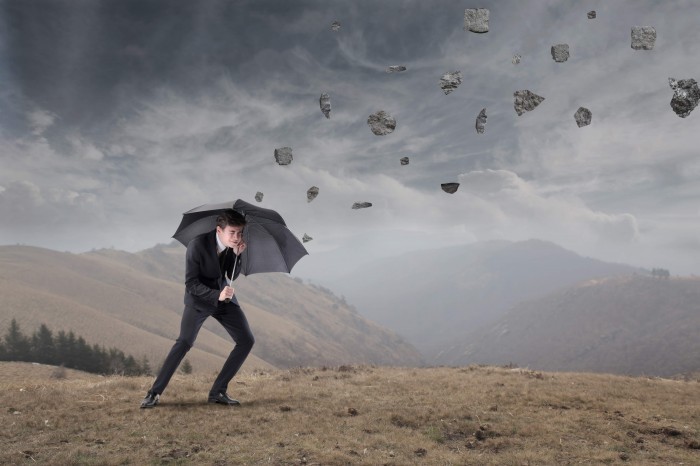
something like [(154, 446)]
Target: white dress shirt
[(219, 249)]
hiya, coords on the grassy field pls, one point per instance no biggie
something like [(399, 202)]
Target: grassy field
[(351, 415)]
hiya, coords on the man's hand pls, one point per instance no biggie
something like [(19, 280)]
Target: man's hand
[(226, 293), (241, 247)]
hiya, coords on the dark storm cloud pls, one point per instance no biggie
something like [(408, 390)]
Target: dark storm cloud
[(96, 64), (145, 108)]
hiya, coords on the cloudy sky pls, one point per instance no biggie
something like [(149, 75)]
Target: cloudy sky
[(117, 116)]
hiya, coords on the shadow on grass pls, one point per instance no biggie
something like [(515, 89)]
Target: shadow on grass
[(255, 403)]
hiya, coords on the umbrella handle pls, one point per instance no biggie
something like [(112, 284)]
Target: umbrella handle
[(235, 262)]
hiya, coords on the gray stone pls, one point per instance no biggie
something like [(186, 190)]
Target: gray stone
[(476, 20), (591, 14), (325, 102), (686, 96), (396, 69), (450, 81), (583, 117), (283, 155), (311, 193), (335, 26), (259, 196), (560, 52), (481, 121), (643, 37), (525, 101), (306, 238), (449, 188), (516, 59), (361, 205), (404, 160), (381, 123)]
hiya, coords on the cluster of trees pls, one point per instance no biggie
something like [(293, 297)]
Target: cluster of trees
[(660, 273), (65, 349)]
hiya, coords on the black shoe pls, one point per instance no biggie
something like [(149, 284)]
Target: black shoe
[(150, 400), (224, 399)]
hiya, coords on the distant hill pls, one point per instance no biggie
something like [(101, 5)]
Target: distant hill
[(634, 325), (134, 302), (432, 297)]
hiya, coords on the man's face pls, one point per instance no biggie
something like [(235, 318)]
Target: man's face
[(230, 236)]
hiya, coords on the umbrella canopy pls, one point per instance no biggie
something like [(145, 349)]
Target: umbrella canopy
[(270, 246)]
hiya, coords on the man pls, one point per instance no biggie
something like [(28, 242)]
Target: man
[(209, 271)]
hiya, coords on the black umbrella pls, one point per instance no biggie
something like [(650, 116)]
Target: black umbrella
[(270, 246)]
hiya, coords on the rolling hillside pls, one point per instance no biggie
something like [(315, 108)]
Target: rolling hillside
[(115, 299), (633, 325)]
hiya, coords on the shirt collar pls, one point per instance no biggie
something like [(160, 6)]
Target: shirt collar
[(219, 245)]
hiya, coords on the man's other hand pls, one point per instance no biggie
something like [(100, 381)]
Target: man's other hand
[(226, 293)]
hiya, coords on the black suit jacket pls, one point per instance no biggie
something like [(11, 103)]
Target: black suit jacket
[(204, 273)]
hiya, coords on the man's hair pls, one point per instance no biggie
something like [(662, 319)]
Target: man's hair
[(230, 217)]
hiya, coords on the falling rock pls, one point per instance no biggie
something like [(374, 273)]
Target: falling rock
[(306, 238), (560, 52), (643, 37), (396, 69), (450, 81), (335, 26), (283, 155), (591, 14), (525, 101), (404, 160), (476, 20), (481, 121), (516, 59), (449, 188), (381, 123), (583, 117), (311, 193), (686, 96), (259, 196), (361, 205), (325, 102)]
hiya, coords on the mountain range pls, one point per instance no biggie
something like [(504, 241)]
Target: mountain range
[(529, 303), (636, 325), (433, 297)]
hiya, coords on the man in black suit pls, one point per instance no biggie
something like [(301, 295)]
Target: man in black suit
[(209, 271)]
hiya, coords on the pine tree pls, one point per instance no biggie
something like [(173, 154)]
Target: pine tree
[(131, 367), (43, 346), (115, 361), (145, 366), (101, 359), (17, 345), (84, 357), (70, 355), (186, 367)]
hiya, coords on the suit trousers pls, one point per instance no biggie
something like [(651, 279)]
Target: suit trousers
[(233, 320)]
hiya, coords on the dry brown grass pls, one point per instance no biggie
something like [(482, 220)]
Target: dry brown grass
[(354, 415)]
